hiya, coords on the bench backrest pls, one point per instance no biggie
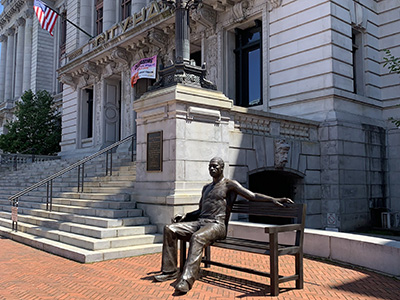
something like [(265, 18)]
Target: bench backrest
[(295, 212)]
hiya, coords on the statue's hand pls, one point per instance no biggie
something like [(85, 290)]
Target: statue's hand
[(178, 218), (282, 201)]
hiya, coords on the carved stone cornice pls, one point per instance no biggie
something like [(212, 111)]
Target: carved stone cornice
[(10, 10), (274, 3), (121, 55)]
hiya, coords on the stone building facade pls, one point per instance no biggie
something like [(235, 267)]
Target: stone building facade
[(28, 57), (307, 74)]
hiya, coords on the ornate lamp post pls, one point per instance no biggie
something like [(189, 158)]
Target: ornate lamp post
[(182, 71)]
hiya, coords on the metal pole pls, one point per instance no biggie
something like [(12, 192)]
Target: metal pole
[(111, 162), (106, 163), (182, 32), (79, 178), (51, 195)]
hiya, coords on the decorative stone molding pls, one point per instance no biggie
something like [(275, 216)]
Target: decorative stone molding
[(358, 18), (83, 80), (110, 69), (281, 153), (28, 14), (91, 69), (121, 55), (206, 16), (68, 80), (10, 11), (20, 21), (158, 38), (10, 31), (3, 38), (239, 11), (274, 3)]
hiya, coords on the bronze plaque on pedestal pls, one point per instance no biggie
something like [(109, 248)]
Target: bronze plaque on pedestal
[(154, 151)]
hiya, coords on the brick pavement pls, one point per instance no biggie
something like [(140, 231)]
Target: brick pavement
[(28, 273)]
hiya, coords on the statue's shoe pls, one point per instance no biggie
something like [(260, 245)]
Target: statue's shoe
[(182, 287), (166, 276)]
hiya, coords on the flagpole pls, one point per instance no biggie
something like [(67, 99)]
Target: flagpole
[(73, 24)]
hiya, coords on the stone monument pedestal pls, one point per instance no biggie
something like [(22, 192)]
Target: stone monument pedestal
[(179, 129)]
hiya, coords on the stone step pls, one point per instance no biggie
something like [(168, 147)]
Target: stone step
[(86, 220), (108, 189), (127, 204), (76, 253), (85, 242), (96, 196), (85, 203), (82, 229)]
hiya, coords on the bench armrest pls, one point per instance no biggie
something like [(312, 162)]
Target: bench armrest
[(282, 228)]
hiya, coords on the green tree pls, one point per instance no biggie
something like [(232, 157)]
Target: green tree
[(393, 64), (37, 128)]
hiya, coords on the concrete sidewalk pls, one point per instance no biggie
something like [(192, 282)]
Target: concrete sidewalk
[(28, 273)]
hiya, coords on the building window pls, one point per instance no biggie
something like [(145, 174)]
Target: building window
[(358, 62), (63, 33), (125, 9), (248, 56), (87, 113), (99, 16)]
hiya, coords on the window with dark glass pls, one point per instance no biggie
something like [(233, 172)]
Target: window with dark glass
[(248, 56), (358, 62), (87, 114), (99, 16), (125, 9), (63, 33)]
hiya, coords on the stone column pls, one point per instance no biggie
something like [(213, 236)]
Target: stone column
[(19, 59), (85, 20), (9, 65), (109, 14), (3, 41), (27, 51)]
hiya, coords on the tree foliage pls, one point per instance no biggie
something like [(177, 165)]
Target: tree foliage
[(37, 128), (393, 64)]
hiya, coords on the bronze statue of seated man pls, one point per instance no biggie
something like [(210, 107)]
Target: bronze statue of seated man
[(204, 226)]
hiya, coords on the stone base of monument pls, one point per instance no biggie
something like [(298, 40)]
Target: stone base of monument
[(179, 129)]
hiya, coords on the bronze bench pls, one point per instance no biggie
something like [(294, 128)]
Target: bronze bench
[(293, 215)]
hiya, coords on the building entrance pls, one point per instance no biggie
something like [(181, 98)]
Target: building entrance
[(275, 184)]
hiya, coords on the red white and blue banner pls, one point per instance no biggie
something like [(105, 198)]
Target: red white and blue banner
[(145, 68), (47, 17)]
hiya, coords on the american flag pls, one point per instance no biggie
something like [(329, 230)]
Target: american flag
[(47, 17)]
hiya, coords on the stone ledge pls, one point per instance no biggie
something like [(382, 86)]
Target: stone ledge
[(370, 252)]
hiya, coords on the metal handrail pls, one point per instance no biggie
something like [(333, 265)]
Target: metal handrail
[(80, 165)]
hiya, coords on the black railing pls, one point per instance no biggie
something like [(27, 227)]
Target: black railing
[(80, 165)]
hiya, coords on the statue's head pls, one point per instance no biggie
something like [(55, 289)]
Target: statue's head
[(216, 167)]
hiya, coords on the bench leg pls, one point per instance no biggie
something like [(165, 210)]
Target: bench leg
[(299, 270), (182, 256), (207, 252), (274, 264)]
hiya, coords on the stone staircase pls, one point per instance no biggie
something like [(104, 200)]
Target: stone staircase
[(100, 223)]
